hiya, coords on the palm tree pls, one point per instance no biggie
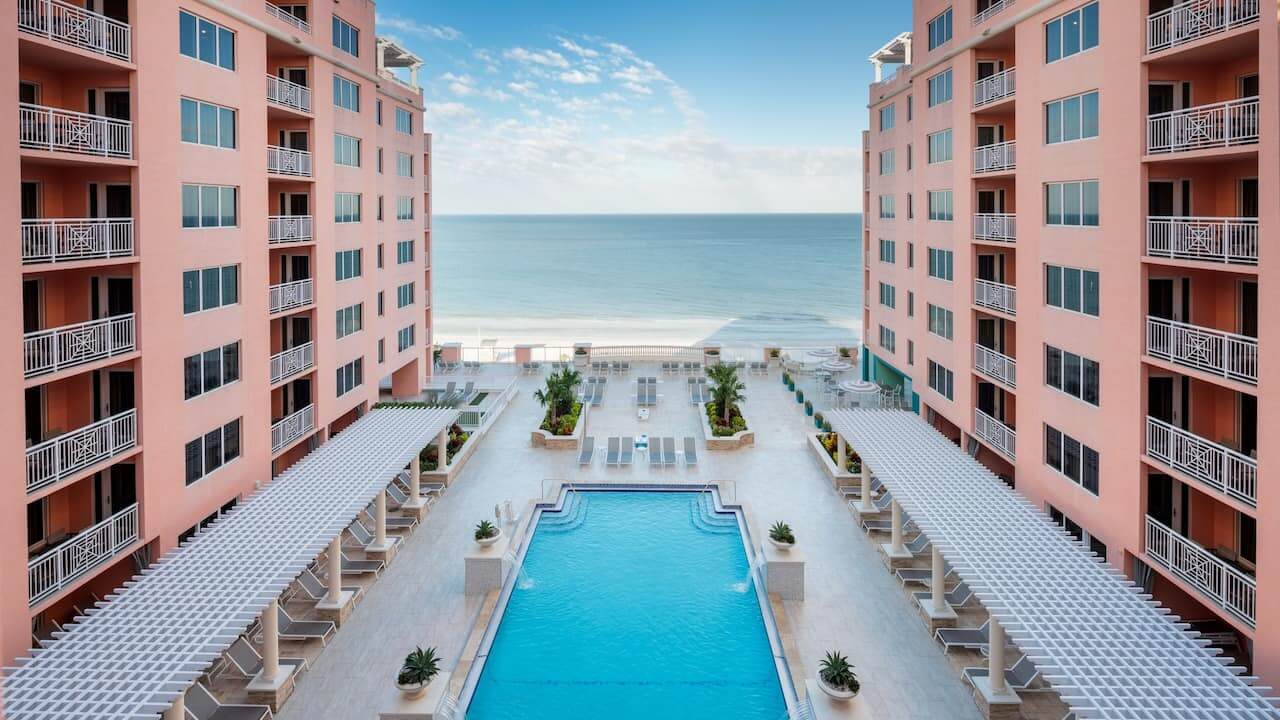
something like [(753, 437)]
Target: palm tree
[(727, 392), (557, 396)]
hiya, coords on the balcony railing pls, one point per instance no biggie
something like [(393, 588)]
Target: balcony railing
[(292, 361), (996, 296), (1233, 241), (69, 239), (287, 161), (289, 94), (75, 26), (995, 226), (992, 10), (1223, 124), (57, 130), (63, 456), (994, 87), (47, 351), (288, 18), (1214, 465), (1216, 352), (1189, 21), (995, 433), (995, 365), (292, 427), (1213, 577), (995, 158), (50, 572), (288, 229), (287, 296)]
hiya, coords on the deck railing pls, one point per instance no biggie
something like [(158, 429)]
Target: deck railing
[(1189, 21), (63, 456), (996, 296), (1219, 125), (51, 571), (991, 11), (289, 18), (1219, 467), (995, 158), (288, 229), (292, 361), (287, 161), (995, 226), (287, 296), (995, 433), (54, 349), (1233, 241), (646, 352), (75, 26), (995, 365), (52, 240), (995, 87), (291, 427), (1228, 355), (1213, 577), (56, 130), (289, 94)]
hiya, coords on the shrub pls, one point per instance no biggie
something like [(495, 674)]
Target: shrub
[(419, 667), (836, 672), (485, 530), (853, 463), (719, 428)]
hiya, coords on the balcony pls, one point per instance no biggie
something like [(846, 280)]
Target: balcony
[(71, 239), (995, 433), (1226, 124), (1224, 354), (1229, 241), (1218, 467), (1213, 577), (56, 130), (53, 570), (996, 87), (999, 157), (292, 427), (283, 229), (287, 161), (63, 456), (290, 295), (48, 351), (1000, 227), (75, 26), (288, 18), (286, 364), (995, 296), (995, 365), (288, 94), (991, 11), (1187, 22)]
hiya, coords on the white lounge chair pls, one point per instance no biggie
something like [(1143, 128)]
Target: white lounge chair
[(628, 450), (587, 450), (690, 452), (1019, 677), (668, 451), (613, 451)]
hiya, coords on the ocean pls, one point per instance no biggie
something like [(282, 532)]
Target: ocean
[(741, 280)]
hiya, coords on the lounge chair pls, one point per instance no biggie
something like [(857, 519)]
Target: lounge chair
[(526, 368), (652, 393), (967, 638), (246, 661), (655, 452), (467, 391), (855, 491), (613, 451), (921, 576), (641, 393), (424, 488), (959, 595), (400, 498), (626, 367), (666, 367), (597, 394), (1019, 677), (690, 452), (360, 567), (311, 586), (302, 630), (668, 451), (394, 522), (363, 538), (587, 451), (628, 450), (536, 365), (884, 526), (449, 390), (202, 705), (918, 544)]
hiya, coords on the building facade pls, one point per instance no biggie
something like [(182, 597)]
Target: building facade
[(1067, 212), (223, 240)]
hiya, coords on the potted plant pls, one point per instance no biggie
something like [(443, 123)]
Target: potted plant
[(808, 408), (487, 533), (781, 536), (826, 425), (817, 420), (786, 378), (415, 675), (799, 396), (836, 677), (844, 352)]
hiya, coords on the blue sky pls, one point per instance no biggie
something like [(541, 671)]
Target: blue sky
[(576, 106)]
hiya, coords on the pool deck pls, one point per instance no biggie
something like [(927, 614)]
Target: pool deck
[(852, 602)]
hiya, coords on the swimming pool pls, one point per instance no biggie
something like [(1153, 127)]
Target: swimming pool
[(631, 605)]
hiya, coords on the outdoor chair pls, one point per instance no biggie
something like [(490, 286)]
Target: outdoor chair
[(690, 452), (966, 638), (1019, 677), (202, 705), (628, 450), (655, 452), (626, 367), (597, 394), (884, 526), (360, 567), (613, 452), (526, 368), (918, 544), (244, 658), (921, 576), (587, 451), (959, 595), (641, 393), (302, 630), (394, 522), (668, 451), (536, 366), (311, 586), (364, 538)]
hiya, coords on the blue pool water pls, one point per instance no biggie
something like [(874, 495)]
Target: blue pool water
[(632, 605)]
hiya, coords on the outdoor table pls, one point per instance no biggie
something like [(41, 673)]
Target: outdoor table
[(862, 392)]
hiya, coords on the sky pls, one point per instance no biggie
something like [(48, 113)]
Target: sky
[(663, 106)]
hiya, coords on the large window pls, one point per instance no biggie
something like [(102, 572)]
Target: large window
[(404, 208), (350, 319), (941, 264), (404, 252), (886, 207), (206, 41), (1073, 374), (208, 124), (940, 88), (1072, 458), (887, 161), (941, 321), (348, 264), (888, 339), (888, 251), (404, 121), (1071, 203), (941, 206), (350, 376), (942, 380), (888, 295), (346, 37), (207, 371), (940, 29), (1073, 118), (210, 288), (404, 338), (206, 206), (1071, 289), (404, 164), (346, 150), (346, 207), (940, 146), (212, 450), (346, 94), (1071, 33), (404, 295), (887, 117)]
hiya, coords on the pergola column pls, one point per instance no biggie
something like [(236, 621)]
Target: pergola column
[(178, 710), (842, 453), (416, 505), (335, 569), (995, 664), (896, 553), (270, 686), (995, 698), (442, 450), (936, 610), (866, 505), (337, 603), (382, 546)]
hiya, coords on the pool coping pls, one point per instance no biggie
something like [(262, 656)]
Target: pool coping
[(475, 661)]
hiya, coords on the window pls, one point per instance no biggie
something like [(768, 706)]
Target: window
[(404, 338), (908, 156), (207, 371), (941, 380), (911, 255), (350, 376), (404, 208), (212, 450), (940, 88), (940, 146), (911, 352), (941, 321), (941, 264), (382, 304), (1072, 33), (1077, 461), (346, 207), (404, 121), (1071, 289), (208, 124), (911, 303), (379, 256), (1071, 203), (379, 161), (346, 94), (940, 29), (346, 150), (888, 251), (377, 110), (382, 350), (346, 37), (206, 41), (887, 117), (940, 205), (886, 162), (888, 295), (886, 207), (888, 339), (350, 319), (1073, 118), (205, 206), (1073, 374), (404, 164), (908, 108), (348, 264), (404, 252), (381, 207), (404, 295), (210, 288)]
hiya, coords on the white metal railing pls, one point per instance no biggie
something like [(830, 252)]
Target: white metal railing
[(287, 296), (292, 427), (1214, 465), (48, 128), (1193, 19), (292, 361), (288, 17), (287, 161), (646, 352), (996, 296), (1226, 586), (54, 240), (53, 570), (63, 456), (287, 93), (993, 9), (997, 434), (1217, 352), (995, 365), (994, 158), (288, 228), (1218, 125), (995, 226), (995, 87), (54, 349), (1212, 239), (72, 25)]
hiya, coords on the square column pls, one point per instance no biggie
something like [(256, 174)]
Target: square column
[(338, 603), (783, 572), (936, 610), (271, 686), (895, 553), (992, 693)]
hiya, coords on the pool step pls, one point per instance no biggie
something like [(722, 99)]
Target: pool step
[(571, 515), (703, 515)]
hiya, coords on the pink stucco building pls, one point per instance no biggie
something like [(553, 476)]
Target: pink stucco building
[(1069, 206), (221, 250)]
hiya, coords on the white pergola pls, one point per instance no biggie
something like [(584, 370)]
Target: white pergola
[(1108, 649), (135, 654)]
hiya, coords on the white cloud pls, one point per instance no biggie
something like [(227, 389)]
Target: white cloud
[(487, 59), (578, 77), (527, 88), (465, 86), (577, 49), (548, 58), (448, 111), (413, 27), (637, 88)]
